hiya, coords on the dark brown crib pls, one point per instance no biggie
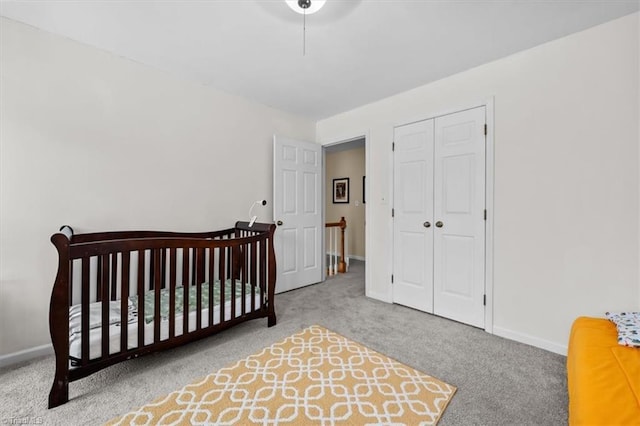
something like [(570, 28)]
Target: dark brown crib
[(120, 295)]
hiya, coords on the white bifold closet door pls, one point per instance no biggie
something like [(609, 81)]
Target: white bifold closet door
[(413, 215), (439, 216)]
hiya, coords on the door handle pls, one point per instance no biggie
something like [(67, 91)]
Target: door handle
[(427, 224), (279, 223), (439, 224)]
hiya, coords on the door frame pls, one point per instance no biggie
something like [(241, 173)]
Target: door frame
[(488, 103), (367, 240)]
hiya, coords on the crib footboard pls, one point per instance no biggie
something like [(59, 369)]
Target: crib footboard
[(121, 295)]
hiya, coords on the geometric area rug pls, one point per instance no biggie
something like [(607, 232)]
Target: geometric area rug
[(312, 377)]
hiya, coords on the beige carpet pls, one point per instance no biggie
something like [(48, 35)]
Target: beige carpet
[(313, 377)]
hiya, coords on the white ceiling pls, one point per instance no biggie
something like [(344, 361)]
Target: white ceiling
[(357, 51)]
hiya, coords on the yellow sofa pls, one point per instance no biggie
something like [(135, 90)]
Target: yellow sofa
[(603, 377)]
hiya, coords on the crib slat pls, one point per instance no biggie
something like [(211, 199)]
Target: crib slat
[(252, 277), (172, 292), (124, 302), (70, 282), (222, 277), (243, 278), (263, 271), (185, 291), (104, 286), (157, 287), (114, 277), (198, 283), (199, 253), (229, 263), (232, 275), (84, 289), (98, 281), (163, 268), (141, 290), (212, 258)]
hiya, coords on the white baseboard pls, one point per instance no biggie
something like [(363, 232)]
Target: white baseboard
[(530, 340), (25, 355)]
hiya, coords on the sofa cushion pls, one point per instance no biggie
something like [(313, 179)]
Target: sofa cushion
[(602, 376), (629, 362)]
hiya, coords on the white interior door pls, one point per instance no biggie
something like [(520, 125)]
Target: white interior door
[(297, 212), (459, 201), (413, 215)]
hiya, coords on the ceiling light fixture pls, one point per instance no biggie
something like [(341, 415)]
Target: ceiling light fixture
[(305, 7)]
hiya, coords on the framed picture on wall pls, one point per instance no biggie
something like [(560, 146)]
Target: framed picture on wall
[(341, 190)]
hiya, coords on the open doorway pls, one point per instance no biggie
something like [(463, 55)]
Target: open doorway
[(345, 201)]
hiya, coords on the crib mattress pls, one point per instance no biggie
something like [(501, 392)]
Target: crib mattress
[(95, 332)]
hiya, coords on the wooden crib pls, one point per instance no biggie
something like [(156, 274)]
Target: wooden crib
[(120, 295)]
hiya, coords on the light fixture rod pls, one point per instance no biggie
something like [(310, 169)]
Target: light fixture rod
[(304, 7)]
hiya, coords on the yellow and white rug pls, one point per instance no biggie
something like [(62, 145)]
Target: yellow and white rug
[(313, 377)]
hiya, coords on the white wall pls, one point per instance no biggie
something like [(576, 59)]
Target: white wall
[(102, 143), (566, 177)]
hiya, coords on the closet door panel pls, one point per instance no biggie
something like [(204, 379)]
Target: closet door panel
[(413, 208), (459, 203)]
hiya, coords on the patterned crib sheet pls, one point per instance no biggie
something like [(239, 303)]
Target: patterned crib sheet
[(149, 299), (95, 309)]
